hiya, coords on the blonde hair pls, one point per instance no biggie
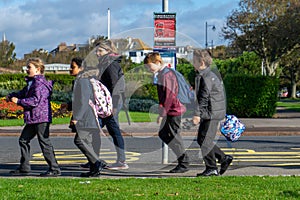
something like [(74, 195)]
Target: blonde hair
[(203, 55), (153, 57), (37, 62), (108, 45)]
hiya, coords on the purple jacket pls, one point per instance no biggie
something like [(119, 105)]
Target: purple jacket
[(35, 99)]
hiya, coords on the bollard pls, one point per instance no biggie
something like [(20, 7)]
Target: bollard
[(165, 154)]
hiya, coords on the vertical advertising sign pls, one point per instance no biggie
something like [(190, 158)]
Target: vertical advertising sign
[(169, 58), (164, 30)]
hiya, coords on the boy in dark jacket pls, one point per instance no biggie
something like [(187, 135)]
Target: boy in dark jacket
[(210, 109), (35, 100)]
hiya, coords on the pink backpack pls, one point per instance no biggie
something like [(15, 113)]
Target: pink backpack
[(103, 100)]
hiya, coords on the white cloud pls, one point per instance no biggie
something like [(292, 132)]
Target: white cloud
[(34, 24)]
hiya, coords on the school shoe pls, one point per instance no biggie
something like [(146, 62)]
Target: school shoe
[(209, 172), (95, 169), (179, 169), (19, 172), (225, 164), (118, 166), (86, 165), (51, 173)]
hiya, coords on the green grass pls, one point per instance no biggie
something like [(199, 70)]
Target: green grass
[(290, 104), (240, 187), (134, 117), (144, 116), (20, 122)]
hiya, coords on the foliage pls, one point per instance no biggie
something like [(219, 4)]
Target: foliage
[(251, 96), (7, 54), (64, 81), (12, 77), (142, 105), (248, 63), (127, 65), (262, 26), (61, 89), (187, 70), (291, 70), (10, 110)]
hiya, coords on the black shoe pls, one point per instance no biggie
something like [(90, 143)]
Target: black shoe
[(90, 174), (51, 173), (225, 164), (86, 165), (98, 166), (209, 172), (95, 169), (179, 169), (19, 172)]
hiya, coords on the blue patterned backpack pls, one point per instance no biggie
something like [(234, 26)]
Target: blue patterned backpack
[(232, 128)]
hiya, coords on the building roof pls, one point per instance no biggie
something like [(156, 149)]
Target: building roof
[(129, 44)]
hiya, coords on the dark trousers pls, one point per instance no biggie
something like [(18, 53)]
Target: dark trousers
[(84, 139), (115, 132), (169, 133), (42, 132), (210, 151)]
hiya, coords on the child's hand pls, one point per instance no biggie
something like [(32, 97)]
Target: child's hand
[(159, 119), (196, 120), (14, 99)]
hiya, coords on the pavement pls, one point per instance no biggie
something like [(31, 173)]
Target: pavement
[(284, 123)]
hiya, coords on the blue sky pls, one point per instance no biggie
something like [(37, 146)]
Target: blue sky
[(35, 24)]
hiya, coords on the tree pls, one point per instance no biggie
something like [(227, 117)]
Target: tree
[(41, 53), (96, 39), (270, 28), (291, 70), (7, 54)]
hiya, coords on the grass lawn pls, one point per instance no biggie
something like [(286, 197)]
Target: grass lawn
[(144, 116), (226, 187), (290, 104), (134, 117)]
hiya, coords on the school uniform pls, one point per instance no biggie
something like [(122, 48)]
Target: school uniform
[(171, 109)]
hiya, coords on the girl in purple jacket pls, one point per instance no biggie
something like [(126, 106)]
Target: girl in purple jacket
[(35, 100)]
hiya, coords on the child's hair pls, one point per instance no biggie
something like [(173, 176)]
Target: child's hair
[(37, 62), (108, 45), (153, 57), (203, 55), (78, 61)]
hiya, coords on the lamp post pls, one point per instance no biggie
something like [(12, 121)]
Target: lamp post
[(212, 48), (206, 26)]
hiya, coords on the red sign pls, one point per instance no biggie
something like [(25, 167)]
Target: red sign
[(164, 30)]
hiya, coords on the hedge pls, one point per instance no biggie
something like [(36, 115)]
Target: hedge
[(251, 96)]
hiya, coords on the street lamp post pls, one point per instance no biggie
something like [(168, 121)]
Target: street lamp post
[(213, 28)]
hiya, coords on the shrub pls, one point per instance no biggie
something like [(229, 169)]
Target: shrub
[(143, 105), (10, 110), (251, 96)]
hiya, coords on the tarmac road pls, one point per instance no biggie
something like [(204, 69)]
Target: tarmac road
[(253, 155), (264, 132)]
